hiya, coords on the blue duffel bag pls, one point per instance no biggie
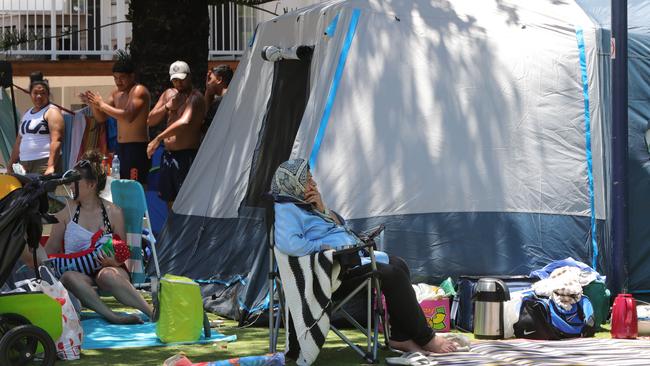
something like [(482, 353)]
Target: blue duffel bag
[(542, 318)]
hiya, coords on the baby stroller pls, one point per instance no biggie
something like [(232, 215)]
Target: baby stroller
[(28, 321)]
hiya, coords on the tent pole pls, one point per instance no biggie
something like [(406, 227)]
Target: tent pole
[(619, 147), (13, 104)]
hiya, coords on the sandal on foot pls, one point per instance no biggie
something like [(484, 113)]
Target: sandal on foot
[(411, 359)]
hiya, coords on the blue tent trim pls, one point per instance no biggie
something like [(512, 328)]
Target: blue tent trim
[(331, 28), (356, 13), (590, 174), (230, 282)]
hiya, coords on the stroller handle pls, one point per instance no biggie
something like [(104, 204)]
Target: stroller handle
[(50, 182)]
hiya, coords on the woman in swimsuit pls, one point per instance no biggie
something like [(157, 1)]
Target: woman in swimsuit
[(78, 222)]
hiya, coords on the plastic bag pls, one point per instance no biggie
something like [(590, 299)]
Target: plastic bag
[(448, 287), (68, 346), (18, 169), (424, 291), (511, 310)]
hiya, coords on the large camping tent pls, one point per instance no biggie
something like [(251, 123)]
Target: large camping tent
[(474, 130)]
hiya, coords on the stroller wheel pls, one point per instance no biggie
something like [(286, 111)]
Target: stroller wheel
[(19, 346), (9, 321)]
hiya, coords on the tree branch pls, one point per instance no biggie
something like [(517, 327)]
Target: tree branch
[(8, 39), (250, 3)]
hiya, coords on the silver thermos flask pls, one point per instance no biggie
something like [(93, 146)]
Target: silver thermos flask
[(489, 296)]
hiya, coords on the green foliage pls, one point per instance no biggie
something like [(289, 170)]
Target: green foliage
[(11, 37), (122, 55), (166, 31)]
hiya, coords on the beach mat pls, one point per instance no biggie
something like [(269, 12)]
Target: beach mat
[(100, 334), (584, 351)]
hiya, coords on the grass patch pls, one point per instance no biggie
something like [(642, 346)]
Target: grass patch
[(250, 341)]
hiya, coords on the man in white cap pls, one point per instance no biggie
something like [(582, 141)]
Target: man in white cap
[(185, 109)]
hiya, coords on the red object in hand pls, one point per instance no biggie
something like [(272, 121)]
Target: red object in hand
[(122, 252), (624, 319)]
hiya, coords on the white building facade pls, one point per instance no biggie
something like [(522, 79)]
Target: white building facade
[(95, 29)]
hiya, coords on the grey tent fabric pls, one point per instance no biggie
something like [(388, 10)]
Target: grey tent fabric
[(8, 125), (477, 132)]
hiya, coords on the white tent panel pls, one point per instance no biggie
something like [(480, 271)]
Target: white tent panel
[(435, 113)]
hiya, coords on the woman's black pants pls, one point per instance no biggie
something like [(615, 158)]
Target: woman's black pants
[(405, 315)]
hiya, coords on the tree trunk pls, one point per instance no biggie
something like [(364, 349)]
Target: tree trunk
[(165, 31)]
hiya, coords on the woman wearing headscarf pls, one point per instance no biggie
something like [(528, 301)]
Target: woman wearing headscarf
[(304, 225), (40, 138)]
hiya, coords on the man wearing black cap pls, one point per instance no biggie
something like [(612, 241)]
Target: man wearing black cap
[(129, 105)]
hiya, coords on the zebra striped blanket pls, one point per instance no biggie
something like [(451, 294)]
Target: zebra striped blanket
[(582, 351), (308, 284)]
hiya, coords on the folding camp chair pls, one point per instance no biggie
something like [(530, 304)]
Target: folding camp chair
[(368, 281), (129, 196)]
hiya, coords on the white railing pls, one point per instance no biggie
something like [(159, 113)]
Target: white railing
[(231, 28), (57, 29), (96, 28)]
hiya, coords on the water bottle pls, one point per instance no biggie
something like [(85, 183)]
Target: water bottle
[(115, 170)]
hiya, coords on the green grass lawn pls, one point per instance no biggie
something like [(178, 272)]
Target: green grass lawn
[(250, 341)]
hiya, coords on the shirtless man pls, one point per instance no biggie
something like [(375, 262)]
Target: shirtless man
[(185, 109), (129, 105), (216, 86)]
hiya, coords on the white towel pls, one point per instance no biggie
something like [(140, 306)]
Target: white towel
[(563, 286), (78, 129)]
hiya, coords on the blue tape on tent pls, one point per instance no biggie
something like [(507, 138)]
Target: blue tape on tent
[(255, 309), (251, 41), (585, 92), (227, 283), (331, 28), (333, 88)]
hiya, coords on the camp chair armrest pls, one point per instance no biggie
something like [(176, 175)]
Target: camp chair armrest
[(349, 257), (358, 273), (352, 249), (370, 234)]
